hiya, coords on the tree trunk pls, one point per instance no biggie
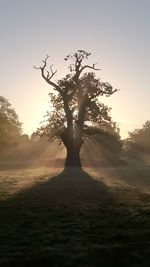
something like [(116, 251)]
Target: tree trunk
[(73, 146), (73, 158)]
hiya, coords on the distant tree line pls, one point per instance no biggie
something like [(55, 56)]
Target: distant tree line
[(10, 127), (18, 146), (137, 145), (13, 142)]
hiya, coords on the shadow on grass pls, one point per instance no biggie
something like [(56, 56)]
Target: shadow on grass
[(135, 177), (71, 220)]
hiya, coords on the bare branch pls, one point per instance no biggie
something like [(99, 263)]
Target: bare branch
[(89, 67), (112, 92), (36, 68), (115, 90), (49, 76), (79, 69), (45, 61)]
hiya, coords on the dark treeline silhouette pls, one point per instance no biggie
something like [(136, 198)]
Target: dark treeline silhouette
[(137, 146), (10, 127), (18, 149)]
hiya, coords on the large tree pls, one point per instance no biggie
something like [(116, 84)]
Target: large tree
[(10, 127), (77, 108)]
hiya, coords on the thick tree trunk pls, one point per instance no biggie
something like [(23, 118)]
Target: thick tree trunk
[(73, 158), (73, 145)]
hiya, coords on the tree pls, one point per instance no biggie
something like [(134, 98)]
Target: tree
[(76, 104), (10, 127), (139, 140)]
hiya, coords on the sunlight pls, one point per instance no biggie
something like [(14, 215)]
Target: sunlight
[(95, 154)]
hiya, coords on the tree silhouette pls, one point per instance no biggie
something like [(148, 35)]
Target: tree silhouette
[(139, 140), (77, 110), (10, 127)]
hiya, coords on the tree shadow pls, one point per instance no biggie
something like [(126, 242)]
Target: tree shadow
[(70, 220), (137, 177)]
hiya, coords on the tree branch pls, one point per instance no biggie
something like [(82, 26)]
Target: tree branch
[(89, 67), (49, 76), (102, 92), (113, 91), (79, 69)]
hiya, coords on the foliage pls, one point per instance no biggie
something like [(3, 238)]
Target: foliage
[(139, 139), (76, 99), (10, 127)]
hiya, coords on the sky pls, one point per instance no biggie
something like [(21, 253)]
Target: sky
[(116, 32)]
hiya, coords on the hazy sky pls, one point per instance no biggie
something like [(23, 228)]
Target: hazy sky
[(117, 32)]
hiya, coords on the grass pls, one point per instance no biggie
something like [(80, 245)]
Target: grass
[(91, 218)]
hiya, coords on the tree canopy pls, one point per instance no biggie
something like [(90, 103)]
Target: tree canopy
[(139, 139), (10, 127)]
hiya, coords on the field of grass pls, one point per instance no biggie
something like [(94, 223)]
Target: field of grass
[(91, 218)]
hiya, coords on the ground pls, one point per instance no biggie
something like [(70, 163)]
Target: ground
[(91, 218)]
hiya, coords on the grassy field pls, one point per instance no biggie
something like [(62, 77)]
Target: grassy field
[(91, 218)]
